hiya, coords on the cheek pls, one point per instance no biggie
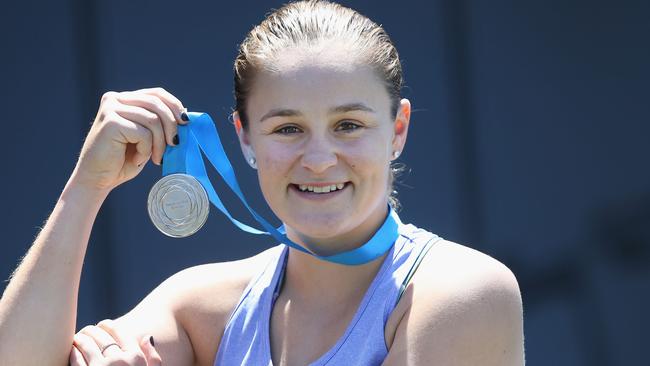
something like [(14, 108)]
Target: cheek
[(274, 163), (275, 155), (368, 158)]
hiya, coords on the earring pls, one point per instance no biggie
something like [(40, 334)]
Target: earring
[(396, 154), (252, 162)]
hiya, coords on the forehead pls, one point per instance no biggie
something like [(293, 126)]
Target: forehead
[(315, 80), (334, 53)]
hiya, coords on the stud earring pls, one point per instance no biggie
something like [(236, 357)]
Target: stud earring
[(252, 162), (396, 154)]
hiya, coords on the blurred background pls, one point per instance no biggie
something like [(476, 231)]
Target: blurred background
[(529, 142)]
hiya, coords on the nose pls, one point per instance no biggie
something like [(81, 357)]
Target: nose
[(319, 155)]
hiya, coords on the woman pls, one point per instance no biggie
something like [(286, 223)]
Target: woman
[(319, 115)]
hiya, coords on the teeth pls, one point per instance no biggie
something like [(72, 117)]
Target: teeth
[(323, 189)]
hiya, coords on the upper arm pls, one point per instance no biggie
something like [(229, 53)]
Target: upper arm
[(156, 315), (473, 317), (186, 314)]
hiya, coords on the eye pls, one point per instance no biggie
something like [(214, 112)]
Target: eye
[(348, 126), (287, 130)]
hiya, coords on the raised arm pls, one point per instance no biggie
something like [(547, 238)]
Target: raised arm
[(38, 307)]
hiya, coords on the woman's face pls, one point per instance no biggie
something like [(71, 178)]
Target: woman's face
[(323, 136)]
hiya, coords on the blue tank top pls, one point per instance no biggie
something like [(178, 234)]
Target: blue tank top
[(246, 336)]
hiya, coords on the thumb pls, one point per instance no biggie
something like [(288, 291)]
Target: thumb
[(147, 344)]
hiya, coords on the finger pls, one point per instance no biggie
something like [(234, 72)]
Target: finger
[(76, 358), (155, 105), (143, 140), (137, 138), (128, 343), (151, 121), (147, 345), (141, 117), (103, 340), (137, 159), (89, 349), (170, 100)]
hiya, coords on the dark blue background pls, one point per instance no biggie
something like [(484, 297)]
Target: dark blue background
[(529, 142)]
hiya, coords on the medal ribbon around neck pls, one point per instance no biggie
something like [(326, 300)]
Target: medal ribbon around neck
[(200, 134)]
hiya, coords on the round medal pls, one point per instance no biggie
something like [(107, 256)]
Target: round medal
[(178, 205)]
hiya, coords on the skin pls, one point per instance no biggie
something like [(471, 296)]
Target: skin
[(315, 145), (446, 317)]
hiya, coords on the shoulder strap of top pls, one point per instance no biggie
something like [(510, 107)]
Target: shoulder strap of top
[(265, 273), (416, 264)]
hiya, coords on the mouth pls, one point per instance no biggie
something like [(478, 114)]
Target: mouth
[(320, 189)]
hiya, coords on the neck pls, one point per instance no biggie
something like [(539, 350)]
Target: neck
[(341, 242), (312, 279)]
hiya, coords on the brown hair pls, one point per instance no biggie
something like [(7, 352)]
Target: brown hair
[(306, 23)]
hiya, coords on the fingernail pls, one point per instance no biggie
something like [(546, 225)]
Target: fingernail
[(184, 116), (176, 140), (151, 341)]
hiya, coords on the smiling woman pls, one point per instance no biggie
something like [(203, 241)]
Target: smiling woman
[(320, 116), (341, 132)]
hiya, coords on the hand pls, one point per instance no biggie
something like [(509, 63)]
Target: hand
[(104, 345), (130, 127)]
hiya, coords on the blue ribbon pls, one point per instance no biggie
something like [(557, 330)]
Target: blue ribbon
[(200, 134)]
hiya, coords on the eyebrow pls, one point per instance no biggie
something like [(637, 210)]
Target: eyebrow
[(283, 112)]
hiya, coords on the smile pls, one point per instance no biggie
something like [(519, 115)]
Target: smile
[(320, 188)]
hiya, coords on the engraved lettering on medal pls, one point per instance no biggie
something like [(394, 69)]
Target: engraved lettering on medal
[(177, 204)]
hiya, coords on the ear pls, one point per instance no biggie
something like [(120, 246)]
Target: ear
[(401, 125), (242, 134)]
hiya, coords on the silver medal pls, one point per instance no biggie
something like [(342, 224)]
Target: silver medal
[(178, 205)]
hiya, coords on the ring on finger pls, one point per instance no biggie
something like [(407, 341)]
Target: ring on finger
[(107, 346)]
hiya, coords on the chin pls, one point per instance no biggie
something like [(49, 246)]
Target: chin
[(319, 225)]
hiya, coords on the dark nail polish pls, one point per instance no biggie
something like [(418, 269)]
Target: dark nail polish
[(161, 161), (151, 341), (176, 140), (184, 117)]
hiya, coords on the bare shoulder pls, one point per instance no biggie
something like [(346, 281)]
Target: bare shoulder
[(460, 271), (187, 313), (207, 295), (462, 307)]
